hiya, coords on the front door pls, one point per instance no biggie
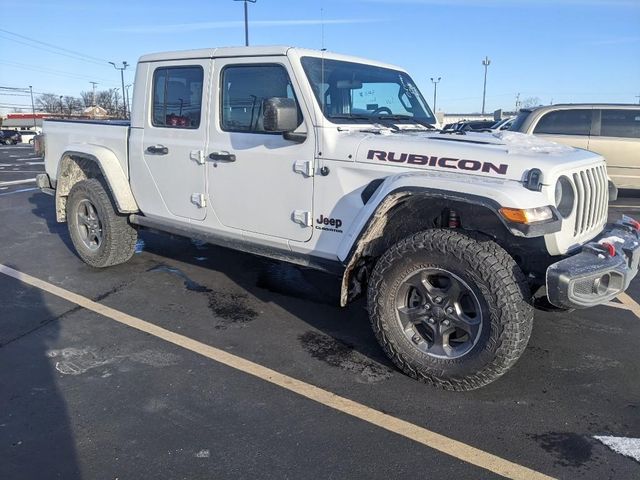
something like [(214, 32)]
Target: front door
[(259, 182), (175, 135)]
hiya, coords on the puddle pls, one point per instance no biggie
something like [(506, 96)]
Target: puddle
[(570, 449), (188, 283), (342, 355)]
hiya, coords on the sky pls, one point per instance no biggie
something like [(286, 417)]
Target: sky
[(553, 50)]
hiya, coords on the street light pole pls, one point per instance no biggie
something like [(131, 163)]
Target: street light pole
[(246, 20), (127, 96), (435, 92), (486, 62), (33, 107), (122, 69), (61, 109)]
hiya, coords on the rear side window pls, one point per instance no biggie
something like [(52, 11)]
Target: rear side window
[(565, 122), (620, 123), (244, 88), (177, 97)]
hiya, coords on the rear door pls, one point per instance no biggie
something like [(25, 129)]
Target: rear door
[(175, 134), (570, 126), (616, 137)]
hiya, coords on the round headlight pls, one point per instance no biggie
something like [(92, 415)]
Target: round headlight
[(565, 196)]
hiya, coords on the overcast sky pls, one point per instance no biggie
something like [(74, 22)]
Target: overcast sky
[(556, 50)]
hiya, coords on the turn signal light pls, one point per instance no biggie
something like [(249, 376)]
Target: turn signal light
[(527, 215)]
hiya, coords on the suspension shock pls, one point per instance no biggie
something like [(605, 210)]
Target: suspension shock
[(454, 219)]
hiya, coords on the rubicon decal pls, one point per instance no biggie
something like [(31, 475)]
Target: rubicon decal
[(328, 224), (442, 162)]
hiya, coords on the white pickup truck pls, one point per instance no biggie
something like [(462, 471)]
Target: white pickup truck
[(336, 163)]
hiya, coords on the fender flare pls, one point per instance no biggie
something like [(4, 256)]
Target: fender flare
[(111, 169), (386, 200)]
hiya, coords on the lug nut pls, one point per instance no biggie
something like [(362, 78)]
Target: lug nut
[(449, 310), (431, 320), (427, 306), (437, 299), (446, 323)]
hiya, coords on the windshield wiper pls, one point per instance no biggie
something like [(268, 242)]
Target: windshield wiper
[(410, 118), (367, 118)]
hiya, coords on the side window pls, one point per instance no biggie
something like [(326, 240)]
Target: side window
[(177, 97), (244, 88), (620, 123), (565, 122)]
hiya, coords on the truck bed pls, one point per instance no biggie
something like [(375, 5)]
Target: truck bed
[(62, 135)]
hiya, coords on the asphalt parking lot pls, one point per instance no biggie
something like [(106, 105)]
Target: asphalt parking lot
[(90, 393)]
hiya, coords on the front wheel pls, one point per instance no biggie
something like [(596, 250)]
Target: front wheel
[(101, 235), (450, 308)]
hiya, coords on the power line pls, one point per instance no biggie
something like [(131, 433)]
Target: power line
[(51, 71), (54, 46), (50, 50)]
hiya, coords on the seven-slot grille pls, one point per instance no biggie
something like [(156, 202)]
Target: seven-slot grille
[(592, 198)]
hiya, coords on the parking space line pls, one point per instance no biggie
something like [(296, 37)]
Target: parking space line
[(17, 182), (631, 304), (436, 441), (617, 305)]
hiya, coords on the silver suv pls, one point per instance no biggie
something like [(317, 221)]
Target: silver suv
[(612, 130)]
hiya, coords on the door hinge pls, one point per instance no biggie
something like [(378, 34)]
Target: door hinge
[(302, 217), (197, 156), (199, 199), (305, 168)]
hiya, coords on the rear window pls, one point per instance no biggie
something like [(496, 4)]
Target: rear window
[(177, 97), (565, 122), (620, 123)]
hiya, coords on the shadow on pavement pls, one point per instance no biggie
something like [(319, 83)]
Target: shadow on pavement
[(36, 437)]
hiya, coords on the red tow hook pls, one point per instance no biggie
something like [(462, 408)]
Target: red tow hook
[(610, 247), (635, 224)]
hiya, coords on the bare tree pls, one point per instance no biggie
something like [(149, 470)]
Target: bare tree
[(531, 102), (48, 102), (72, 105)]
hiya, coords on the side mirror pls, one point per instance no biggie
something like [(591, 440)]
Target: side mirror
[(280, 114)]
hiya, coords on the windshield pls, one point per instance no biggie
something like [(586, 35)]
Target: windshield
[(353, 92)]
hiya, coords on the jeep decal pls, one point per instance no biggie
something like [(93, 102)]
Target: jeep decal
[(442, 162), (328, 224)]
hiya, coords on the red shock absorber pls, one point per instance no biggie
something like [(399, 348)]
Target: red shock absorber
[(454, 219)]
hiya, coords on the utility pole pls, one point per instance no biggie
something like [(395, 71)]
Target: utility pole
[(122, 69), (246, 20), (93, 101), (61, 109), (127, 96), (115, 98), (517, 102), (486, 62), (33, 107), (435, 92)]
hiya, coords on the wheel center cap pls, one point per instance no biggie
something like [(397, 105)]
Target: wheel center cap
[(438, 312)]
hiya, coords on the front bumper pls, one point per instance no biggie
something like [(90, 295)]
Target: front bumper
[(594, 276)]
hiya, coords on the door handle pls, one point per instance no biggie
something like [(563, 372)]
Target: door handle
[(222, 156), (157, 149)]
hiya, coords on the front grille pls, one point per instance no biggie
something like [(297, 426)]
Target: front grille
[(592, 198)]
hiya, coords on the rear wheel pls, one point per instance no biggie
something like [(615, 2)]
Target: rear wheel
[(450, 308), (101, 235)]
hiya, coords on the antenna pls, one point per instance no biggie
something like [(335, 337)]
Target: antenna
[(322, 27)]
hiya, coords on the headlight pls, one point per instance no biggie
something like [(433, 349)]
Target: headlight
[(565, 196), (527, 215)]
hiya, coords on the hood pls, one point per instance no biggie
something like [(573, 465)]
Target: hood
[(505, 155)]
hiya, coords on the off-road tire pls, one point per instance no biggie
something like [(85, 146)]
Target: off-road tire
[(119, 237), (498, 283)]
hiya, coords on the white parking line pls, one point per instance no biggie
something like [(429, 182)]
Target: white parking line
[(17, 182), (436, 441)]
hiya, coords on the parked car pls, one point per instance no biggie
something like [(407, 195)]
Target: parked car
[(470, 126), (28, 136), (504, 124), (333, 162), (612, 130), (10, 137)]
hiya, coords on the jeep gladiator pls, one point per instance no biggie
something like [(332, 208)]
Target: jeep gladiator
[(336, 163)]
